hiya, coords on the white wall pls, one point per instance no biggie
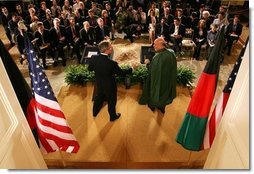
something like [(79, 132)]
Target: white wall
[(230, 149)]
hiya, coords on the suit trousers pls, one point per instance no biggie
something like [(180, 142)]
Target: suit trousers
[(111, 98)]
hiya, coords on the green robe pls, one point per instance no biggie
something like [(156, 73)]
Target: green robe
[(160, 86)]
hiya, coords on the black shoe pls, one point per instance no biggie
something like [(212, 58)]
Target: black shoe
[(55, 64), (152, 108), (64, 63), (116, 117), (162, 110)]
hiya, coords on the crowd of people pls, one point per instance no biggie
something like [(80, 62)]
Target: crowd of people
[(74, 24)]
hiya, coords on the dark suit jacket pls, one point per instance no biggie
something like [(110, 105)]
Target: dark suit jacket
[(5, 19), (165, 31), (105, 71), (184, 20), (21, 41), (79, 21), (92, 22), (99, 35), (69, 34), (55, 39), (46, 36), (64, 22), (83, 13), (112, 14), (239, 28), (48, 24), (197, 35), (180, 32), (169, 19), (108, 22), (87, 37)]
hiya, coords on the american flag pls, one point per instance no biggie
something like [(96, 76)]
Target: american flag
[(53, 130), (215, 119)]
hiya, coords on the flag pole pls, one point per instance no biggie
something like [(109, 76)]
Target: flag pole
[(62, 159), (189, 158)]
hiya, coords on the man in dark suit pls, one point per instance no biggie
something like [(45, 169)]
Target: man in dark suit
[(72, 33), (177, 32), (22, 32), (43, 42), (234, 30), (87, 34), (101, 31), (5, 17), (91, 18), (105, 71), (48, 22), (58, 34), (169, 18), (162, 29)]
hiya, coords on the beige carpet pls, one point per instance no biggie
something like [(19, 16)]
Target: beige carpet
[(140, 138)]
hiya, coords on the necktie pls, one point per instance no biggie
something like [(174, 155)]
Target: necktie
[(73, 32)]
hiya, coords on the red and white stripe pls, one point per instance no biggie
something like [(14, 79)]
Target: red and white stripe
[(214, 121), (54, 133)]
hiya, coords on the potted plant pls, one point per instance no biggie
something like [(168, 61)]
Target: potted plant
[(78, 75)]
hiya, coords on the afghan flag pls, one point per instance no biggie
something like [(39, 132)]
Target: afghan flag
[(192, 130), (215, 119), (20, 86)]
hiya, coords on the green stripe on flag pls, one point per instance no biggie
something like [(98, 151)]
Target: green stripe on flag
[(192, 131)]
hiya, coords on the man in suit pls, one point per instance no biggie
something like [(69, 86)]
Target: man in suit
[(48, 22), (22, 32), (177, 32), (72, 33), (105, 71), (162, 29), (43, 42), (91, 18), (101, 31), (234, 30), (58, 34), (87, 34), (5, 18), (169, 18)]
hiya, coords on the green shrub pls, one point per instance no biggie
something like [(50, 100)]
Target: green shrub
[(78, 75), (123, 67), (185, 76), (139, 74)]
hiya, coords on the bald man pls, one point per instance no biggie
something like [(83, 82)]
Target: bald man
[(160, 85)]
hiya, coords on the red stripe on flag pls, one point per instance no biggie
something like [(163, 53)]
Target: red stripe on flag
[(44, 142), (202, 99), (59, 141), (51, 111), (55, 126)]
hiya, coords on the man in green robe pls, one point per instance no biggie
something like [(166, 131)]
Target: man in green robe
[(160, 86)]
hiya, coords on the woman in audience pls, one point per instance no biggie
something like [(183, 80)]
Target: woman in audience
[(200, 34), (211, 38)]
